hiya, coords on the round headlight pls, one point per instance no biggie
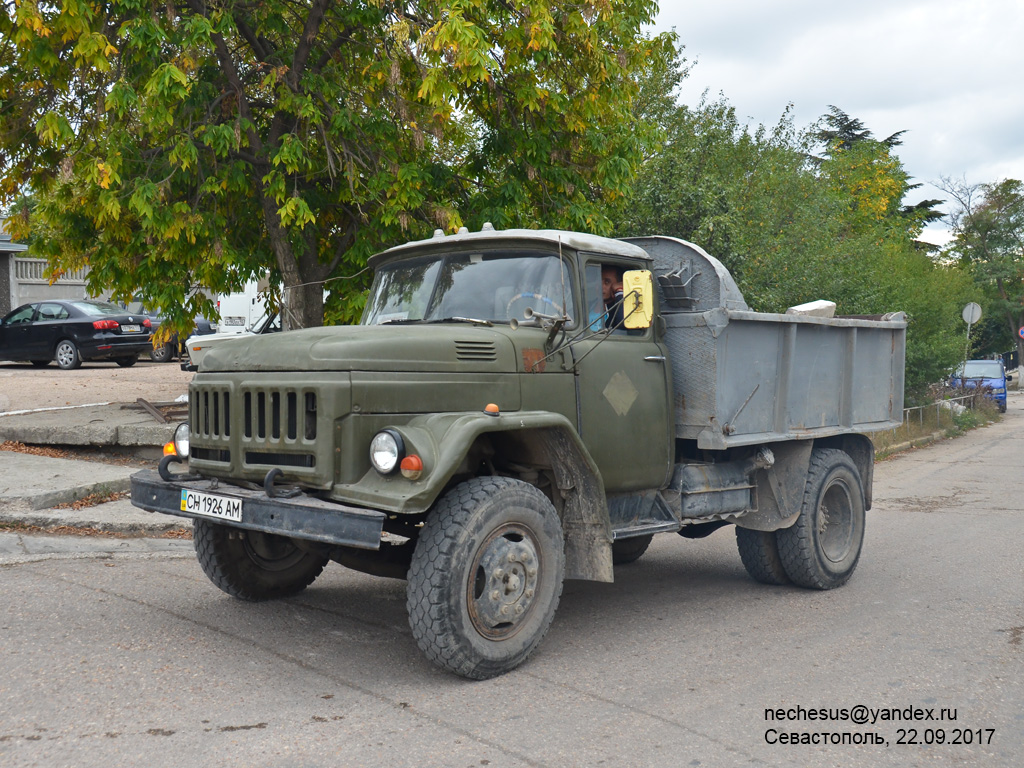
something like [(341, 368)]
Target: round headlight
[(386, 451), (181, 440)]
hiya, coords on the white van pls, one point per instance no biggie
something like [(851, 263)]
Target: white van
[(240, 311)]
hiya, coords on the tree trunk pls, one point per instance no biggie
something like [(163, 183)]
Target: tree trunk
[(302, 306)]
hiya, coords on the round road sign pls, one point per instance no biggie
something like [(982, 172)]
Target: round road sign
[(971, 313)]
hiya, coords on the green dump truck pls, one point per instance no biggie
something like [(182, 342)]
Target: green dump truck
[(494, 426)]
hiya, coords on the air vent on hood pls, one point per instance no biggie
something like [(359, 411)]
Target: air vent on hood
[(480, 351)]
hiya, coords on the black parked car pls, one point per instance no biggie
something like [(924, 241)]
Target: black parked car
[(172, 347), (72, 331)]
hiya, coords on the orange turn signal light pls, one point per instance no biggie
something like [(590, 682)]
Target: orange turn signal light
[(411, 467), (169, 449), (492, 409)]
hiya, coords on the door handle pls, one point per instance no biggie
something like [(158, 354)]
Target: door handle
[(655, 358)]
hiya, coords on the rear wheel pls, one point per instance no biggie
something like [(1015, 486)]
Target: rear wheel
[(252, 565), (759, 552), (486, 576), (625, 551), (67, 355), (821, 550)]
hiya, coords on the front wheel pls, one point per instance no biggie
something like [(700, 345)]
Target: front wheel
[(252, 565), (821, 550), (486, 577), (163, 353)]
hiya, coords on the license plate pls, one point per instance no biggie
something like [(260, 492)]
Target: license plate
[(233, 320), (211, 505), (131, 328)]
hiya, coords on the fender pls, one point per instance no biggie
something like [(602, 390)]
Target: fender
[(445, 441)]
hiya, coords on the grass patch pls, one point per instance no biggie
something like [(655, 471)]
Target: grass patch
[(939, 418)]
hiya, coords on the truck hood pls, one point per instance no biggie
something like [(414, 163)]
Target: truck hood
[(428, 348)]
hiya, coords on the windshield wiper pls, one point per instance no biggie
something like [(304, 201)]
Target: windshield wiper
[(457, 319)]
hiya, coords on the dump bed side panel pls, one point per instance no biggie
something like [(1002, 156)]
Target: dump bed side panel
[(746, 377)]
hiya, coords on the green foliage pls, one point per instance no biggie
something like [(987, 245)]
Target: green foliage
[(794, 225), (198, 144), (988, 224)]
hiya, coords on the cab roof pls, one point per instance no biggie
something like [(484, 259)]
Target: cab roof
[(579, 241)]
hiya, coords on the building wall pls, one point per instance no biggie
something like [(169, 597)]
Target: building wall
[(24, 280), (5, 283)]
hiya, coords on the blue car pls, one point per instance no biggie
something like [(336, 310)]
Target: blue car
[(989, 374)]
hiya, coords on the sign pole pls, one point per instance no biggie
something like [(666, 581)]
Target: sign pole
[(971, 315)]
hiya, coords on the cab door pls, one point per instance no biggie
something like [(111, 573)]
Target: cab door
[(623, 383)]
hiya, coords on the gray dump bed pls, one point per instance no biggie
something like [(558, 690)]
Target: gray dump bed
[(743, 377)]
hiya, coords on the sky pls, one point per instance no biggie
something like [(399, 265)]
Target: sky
[(949, 72)]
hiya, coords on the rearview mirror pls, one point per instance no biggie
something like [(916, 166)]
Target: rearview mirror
[(638, 298)]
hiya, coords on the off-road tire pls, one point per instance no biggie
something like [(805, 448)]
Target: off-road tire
[(252, 565), (67, 355), (162, 354), (489, 543), (126, 362), (759, 551), (821, 550), (626, 551)]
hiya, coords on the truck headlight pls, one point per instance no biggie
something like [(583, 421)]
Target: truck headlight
[(181, 440), (387, 449)]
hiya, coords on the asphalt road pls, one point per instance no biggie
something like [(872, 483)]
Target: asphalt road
[(136, 659)]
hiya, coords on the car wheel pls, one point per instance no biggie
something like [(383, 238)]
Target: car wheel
[(486, 576), (252, 565), (67, 355), (126, 362), (162, 354)]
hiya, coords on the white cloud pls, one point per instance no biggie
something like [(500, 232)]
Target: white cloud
[(947, 72)]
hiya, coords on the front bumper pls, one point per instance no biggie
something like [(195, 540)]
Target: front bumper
[(303, 517)]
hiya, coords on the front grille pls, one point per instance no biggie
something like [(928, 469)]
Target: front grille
[(275, 414), (210, 454), (483, 351), (210, 413), (272, 422), (307, 460)]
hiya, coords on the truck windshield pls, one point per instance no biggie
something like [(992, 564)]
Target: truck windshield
[(493, 286)]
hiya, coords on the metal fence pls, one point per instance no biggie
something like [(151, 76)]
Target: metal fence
[(940, 406)]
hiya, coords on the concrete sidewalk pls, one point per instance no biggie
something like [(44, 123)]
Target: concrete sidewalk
[(30, 486), (108, 424)]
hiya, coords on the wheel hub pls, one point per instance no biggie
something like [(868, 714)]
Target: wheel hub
[(835, 522), (504, 582)]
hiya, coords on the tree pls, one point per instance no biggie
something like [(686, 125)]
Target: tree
[(196, 143), (988, 227)]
